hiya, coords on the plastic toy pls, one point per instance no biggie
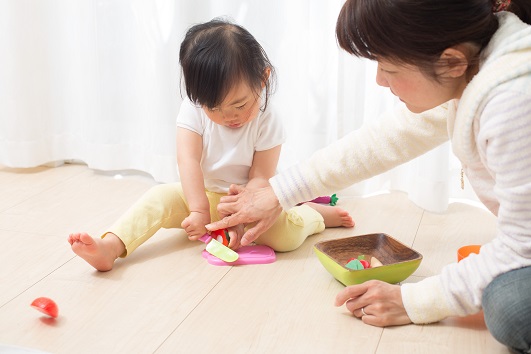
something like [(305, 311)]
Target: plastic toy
[(360, 263), (399, 261), (256, 254), (222, 236), (465, 251), (46, 306), (354, 264), (332, 200), (365, 263), (375, 262), (217, 249)]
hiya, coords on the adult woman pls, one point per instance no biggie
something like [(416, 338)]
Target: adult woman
[(463, 70)]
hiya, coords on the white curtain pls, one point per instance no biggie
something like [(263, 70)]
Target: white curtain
[(98, 81)]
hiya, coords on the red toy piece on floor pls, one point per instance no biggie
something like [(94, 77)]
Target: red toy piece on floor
[(46, 306)]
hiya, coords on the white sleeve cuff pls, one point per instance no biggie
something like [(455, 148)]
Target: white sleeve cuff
[(425, 301)]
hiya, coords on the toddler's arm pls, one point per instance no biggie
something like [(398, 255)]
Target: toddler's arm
[(264, 167), (189, 150)]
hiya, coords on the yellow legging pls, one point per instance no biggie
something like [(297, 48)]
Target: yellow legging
[(164, 206)]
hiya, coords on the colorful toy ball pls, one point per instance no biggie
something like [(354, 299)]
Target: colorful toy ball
[(46, 306)]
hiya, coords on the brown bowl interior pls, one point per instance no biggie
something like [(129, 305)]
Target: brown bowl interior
[(385, 248)]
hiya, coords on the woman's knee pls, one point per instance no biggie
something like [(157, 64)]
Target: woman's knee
[(506, 305)]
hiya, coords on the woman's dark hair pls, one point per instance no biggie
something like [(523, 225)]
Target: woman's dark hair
[(218, 54), (417, 32)]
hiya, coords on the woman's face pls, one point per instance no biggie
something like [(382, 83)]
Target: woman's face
[(240, 106), (415, 89)]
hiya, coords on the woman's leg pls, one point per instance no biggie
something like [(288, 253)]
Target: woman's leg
[(507, 309)]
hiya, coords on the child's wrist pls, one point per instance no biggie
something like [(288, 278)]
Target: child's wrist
[(201, 212)]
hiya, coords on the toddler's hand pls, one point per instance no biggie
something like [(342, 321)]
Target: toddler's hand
[(194, 225)]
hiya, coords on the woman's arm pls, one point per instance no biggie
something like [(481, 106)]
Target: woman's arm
[(189, 150), (378, 146), (263, 168), (366, 152), (505, 149)]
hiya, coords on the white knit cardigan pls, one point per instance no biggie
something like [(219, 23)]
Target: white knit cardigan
[(490, 129)]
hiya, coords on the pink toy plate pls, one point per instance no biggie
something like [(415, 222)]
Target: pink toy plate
[(258, 254)]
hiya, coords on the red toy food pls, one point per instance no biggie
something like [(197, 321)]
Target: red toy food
[(222, 236), (360, 263), (46, 306), (365, 264)]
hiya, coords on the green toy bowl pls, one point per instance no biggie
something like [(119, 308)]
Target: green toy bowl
[(399, 261)]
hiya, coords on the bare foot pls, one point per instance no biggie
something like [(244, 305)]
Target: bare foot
[(333, 216), (99, 253)]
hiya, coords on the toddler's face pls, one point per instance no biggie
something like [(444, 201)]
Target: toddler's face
[(241, 105)]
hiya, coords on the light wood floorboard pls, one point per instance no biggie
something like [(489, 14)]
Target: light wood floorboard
[(165, 298)]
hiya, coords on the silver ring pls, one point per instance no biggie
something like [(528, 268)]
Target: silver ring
[(363, 312)]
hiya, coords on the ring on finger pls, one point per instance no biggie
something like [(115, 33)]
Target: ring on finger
[(363, 312)]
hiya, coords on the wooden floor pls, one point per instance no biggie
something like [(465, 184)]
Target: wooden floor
[(165, 298)]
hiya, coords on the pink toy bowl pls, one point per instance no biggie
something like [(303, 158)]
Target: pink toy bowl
[(465, 251), (256, 254)]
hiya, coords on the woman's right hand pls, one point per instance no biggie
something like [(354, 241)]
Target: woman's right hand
[(235, 234), (248, 205)]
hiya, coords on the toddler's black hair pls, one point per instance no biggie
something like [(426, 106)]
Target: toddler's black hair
[(218, 54)]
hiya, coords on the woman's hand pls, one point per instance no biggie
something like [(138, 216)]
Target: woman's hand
[(381, 303), (247, 205), (235, 234)]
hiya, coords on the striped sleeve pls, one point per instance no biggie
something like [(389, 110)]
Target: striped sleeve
[(504, 147)]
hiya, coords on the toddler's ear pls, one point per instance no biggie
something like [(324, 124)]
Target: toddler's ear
[(265, 76)]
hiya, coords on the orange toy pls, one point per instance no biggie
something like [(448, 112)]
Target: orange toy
[(465, 251)]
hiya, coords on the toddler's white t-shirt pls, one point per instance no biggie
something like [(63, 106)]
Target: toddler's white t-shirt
[(227, 152)]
